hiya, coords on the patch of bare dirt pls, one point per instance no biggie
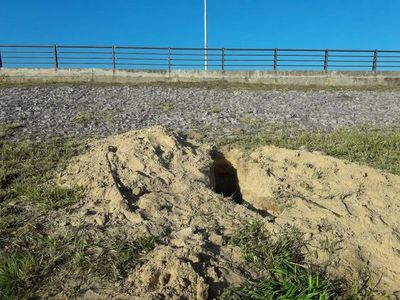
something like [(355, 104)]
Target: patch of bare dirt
[(154, 182)]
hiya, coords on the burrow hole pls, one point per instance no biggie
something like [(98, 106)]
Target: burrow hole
[(224, 181)]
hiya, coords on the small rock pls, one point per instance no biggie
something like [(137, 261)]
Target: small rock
[(100, 220), (112, 148), (184, 233)]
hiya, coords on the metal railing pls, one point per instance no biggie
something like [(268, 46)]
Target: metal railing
[(168, 58)]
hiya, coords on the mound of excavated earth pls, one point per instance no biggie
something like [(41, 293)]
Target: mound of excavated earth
[(154, 182)]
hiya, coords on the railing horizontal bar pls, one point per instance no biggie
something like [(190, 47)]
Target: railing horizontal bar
[(300, 50), (29, 57), (301, 60), (82, 47), (266, 60), (195, 54), (249, 49), (242, 65), (196, 49), (389, 56), (195, 65), (26, 46), (128, 64), (144, 48), (347, 66), (192, 59), (27, 52), (26, 63), (389, 51), (351, 51), (388, 61), (305, 55), (267, 55), (71, 57), (295, 65), (349, 61), (146, 58), (142, 53), (82, 63), (84, 52), (397, 66), (350, 55)]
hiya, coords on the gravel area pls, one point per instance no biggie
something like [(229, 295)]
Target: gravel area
[(67, 111)]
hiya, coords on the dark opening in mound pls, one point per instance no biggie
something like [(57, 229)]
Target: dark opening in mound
[(224, 178)]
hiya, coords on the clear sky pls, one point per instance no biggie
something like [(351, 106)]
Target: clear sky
[(348, 24)]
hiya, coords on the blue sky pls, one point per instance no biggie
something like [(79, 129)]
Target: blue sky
[(178, 23)]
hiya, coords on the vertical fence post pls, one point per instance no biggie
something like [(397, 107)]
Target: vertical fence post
[(113, 57), (275, 59), (223, 59), (169, 60), (55, 57), (1, 61), (375, 61), (326, 60)]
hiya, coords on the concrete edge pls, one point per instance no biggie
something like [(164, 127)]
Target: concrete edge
[(295, 78)]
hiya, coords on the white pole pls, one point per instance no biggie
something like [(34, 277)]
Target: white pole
[(205, 37)]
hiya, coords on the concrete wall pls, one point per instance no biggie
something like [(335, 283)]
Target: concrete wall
[(299, 78)]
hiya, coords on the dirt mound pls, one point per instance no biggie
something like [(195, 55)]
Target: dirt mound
[(350, 213), (155, 182)]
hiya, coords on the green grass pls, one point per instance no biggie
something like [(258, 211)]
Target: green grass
[(288, 276), (27, 195), (27, 168), (258, 246), (92, 117), (36, 258), (6, 129), (27, 263), (9, 220), (378, 148), (165, 107), (54, 197), (292, 283), (106, 256), (214, 109), (15, 272)]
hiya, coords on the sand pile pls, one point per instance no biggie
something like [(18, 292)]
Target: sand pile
[(350, 213), (155, 182)]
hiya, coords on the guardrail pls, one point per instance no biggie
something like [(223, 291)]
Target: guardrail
[(168, 58)]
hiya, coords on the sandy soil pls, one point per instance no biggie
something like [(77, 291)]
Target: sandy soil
[(155, 182)]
